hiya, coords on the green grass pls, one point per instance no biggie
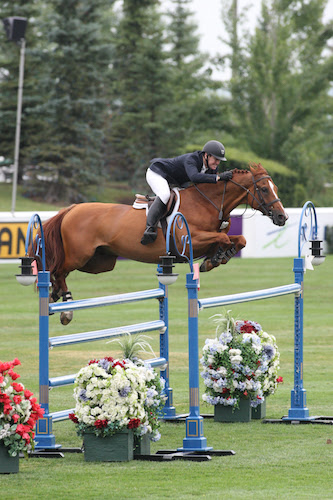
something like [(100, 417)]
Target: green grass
[(270, 461)]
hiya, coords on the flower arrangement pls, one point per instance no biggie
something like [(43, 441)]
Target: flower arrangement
[(19, 411), (240, 363), (113, 394)]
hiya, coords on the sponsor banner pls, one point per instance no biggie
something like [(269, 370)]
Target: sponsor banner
[(13, 230), (12, 239), (264, 239)]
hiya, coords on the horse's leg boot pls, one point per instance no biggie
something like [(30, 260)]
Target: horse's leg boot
[(155, 213)]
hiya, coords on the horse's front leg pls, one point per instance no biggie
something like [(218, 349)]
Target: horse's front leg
[(221, 255)]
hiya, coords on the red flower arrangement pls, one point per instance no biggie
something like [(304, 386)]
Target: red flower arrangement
[(19, 411)]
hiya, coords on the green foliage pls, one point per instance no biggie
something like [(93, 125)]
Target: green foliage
[(110, 85), (280, 90), (139, 90), (68, 151), (132, 345)]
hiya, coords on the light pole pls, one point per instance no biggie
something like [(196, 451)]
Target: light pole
[(15, 30)]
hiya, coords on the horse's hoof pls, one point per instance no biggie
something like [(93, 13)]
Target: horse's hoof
[(66, 317), (206, 266)]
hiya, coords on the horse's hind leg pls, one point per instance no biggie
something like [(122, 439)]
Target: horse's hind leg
[(59, 289), (66, 316)]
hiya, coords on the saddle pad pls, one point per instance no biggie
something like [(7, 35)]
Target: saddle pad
[(141, 202)]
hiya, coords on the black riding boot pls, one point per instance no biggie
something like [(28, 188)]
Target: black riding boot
[(155, 213)]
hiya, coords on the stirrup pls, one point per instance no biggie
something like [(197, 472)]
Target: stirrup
[(149, 236)]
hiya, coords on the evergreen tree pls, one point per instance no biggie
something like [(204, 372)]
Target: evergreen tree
[(69, 148), (280, 92), (193, 108), (140, 91)]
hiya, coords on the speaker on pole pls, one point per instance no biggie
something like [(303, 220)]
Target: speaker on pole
[(15, 28)]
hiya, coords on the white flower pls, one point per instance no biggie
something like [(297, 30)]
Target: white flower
[(234, 352)]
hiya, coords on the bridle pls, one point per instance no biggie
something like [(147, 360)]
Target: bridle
[(256, 196), (259, 199)]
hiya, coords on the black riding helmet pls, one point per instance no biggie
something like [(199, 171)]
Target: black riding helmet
[(216, 149)]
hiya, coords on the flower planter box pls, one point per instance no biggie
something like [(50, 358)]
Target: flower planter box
[(142, 446), (230, 414), (259, 412), (115, 448), (8, 464)]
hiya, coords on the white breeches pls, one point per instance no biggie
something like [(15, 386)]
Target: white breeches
[(159, 185)]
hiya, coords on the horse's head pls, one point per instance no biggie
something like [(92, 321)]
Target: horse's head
[(264, 196)]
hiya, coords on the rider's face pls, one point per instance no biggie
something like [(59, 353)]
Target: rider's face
[(213, 162)]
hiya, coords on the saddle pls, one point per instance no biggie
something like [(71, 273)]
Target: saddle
[(143, 202)]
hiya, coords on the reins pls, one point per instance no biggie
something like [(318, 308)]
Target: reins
[(260, 200)]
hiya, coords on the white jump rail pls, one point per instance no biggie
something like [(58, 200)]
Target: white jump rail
[(108, 300), (237, 298)]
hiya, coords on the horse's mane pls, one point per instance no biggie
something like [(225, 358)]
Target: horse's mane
[(253, 167)]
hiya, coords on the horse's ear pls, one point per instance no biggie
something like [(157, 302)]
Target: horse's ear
[(256, 167)]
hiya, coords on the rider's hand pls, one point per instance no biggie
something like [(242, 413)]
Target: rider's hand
[(225, 176)]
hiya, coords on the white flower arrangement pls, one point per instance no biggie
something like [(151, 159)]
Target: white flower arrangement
[(113, 394), (240, 363)]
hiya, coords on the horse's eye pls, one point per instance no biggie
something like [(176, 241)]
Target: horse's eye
[(264, 190)]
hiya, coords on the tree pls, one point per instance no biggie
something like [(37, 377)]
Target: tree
[(139, 90), (280, 91), (193, 100), (68, 150)]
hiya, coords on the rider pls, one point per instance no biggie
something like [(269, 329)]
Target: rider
[(197, 167)]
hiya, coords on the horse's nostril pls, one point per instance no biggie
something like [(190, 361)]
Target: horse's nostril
[(282, 219)]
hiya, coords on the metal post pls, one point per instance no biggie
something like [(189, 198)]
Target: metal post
[(298, 408), (307, 229), (18, 123), (194, 440), (169, 411), (44, 437)]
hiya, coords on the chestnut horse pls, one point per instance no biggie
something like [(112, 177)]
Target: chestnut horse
[(91, 236)]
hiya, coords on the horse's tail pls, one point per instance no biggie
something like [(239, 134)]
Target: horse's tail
[(54, 249)]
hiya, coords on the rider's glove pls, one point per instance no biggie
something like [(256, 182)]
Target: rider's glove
[(225, 176)]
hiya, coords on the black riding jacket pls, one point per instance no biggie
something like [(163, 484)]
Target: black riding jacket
[(182, 169)]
